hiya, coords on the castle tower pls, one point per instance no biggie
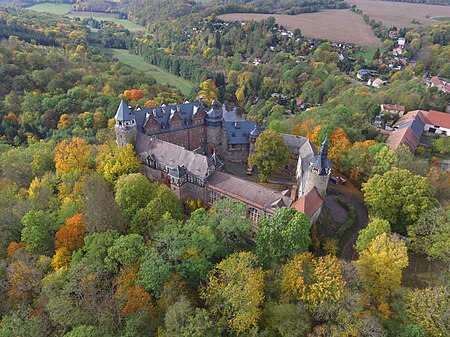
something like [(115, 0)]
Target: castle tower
[(319, 171), (125, 125), (214, 128)]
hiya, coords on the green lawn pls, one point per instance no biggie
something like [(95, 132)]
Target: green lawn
[(159, 74), (131, 26), (367, 53), (52, 8)]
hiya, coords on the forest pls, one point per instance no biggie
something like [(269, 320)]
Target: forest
[(90, 247)]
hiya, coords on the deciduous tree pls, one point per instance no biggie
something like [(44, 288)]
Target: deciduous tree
[(71, 234), (282, 235), (381, 265), (133, 95), (270, 152), (373, 229), (399, 197), (235, 291), (36, 232), (72, 156)]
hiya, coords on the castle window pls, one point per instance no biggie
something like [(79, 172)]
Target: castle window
[(189, 178), (253, 214), (120, 123), (213, 196)]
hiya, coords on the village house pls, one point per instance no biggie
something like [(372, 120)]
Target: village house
[(442, 85), (410, 127), (179, 146), (392, 109)]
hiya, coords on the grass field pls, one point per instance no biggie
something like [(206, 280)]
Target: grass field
[(333, 25), (367, 53), (65, 9), (400, 14), (160, 75), (131, 26), (52, 8)]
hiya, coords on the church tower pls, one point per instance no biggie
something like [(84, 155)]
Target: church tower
[(319, 171), (214, 128), (125, 125)]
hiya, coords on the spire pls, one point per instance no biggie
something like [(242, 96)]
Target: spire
[(321, 162), (324, 148), (123, 112), (255, 132)]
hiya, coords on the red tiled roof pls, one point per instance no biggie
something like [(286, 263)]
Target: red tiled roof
[(393, 107), (310, 203), (437, 118), (435, 80), (404, 136)]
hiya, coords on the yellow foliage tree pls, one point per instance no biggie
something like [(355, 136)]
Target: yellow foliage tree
[(114, 162), (313, 280), (381, 265), (339, 143), (61, 259), (236, 291), (72, 156), (208, 91)]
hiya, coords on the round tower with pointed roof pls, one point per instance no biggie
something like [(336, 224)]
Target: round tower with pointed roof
[(252, 137), (125, 127), (319, 171), (214, 118)]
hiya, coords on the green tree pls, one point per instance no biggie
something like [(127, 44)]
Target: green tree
[(37, 233), (430, 307), (441, 145), (270, 152), (84, 331), (286, 320), (430, 235), (381, 265), (235, 291), (154, 272), (399, 197), (282, 235), (373, 229), (133, 192), (127, 249)]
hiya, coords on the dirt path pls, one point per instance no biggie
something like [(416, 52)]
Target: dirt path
[(354, 197)]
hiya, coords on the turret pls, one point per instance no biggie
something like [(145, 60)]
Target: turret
[(213, 120), (319, 171), (252, 138), (125, 125)]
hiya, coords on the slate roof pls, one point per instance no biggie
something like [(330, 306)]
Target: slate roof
[(247, 191), (294, 143), (123, 112), (309, 203), (238, 132), (404, 136), (163, 114), (172, 155), (177, 172), (214, 114)]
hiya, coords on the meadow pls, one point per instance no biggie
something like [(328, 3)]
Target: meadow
[(336, 25), (159, 74), (401, 14), (66, 9)]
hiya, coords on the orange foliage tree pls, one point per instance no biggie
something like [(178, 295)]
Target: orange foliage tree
[(136, 297), (308, 129), (339, 143), (12, 247), (133, 94), (71, 234), (151, 104), (72, 156)]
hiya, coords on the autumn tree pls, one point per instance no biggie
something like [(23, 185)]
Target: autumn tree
[(71, 234), (373, 229), (72, 156), (339, 144), (235, 291), (270, 152), (208, 91), (313, 280), (381, 265), (115, 162), (399, 197), (133, 95), (429, 307), (282, 235)]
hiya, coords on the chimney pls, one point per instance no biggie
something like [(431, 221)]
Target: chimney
[(294, 191)]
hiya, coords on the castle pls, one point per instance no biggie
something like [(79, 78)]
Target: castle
[(181, 146)]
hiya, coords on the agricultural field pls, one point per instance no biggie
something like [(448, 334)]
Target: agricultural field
[(52, 8), (336, 25), (400, 14), (159, 74)]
